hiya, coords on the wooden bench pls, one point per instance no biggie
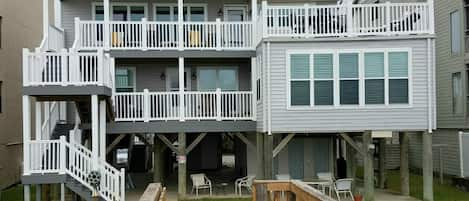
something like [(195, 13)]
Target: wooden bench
[(154, 192)]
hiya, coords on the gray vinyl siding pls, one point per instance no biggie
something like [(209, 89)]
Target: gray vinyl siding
[(348, 120), (450, 153), (148, 71), (448, 64)]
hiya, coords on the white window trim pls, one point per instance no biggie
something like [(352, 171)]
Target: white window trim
[(242, 7), (236, 68), (128, 4), (134, 76), (362, 78), (173, 5)]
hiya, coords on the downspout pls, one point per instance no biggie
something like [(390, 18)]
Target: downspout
[(429, 86), (269, 93)]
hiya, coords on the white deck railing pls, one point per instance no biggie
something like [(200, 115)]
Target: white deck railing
[(152, 106), (144, 34), (347, 20), (75, 160), (67, 68)]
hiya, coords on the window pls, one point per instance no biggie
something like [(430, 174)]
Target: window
[(349, 80), (374, 78), (225, 78), (121, 12), (169, 12), (300, 80), (323, 79), (457, 93), (398, 77), (364, 77), (125, 79), (455, 32), (259, 80)]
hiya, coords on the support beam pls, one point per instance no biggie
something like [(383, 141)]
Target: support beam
[(352, 143), (38, 192), (427, 166), (268, 157), (158, 147), (114, 143), (107, 16), (246, 141), (102, 130), (404, 167), (180, 24), (195, 142), (382, 163), (45, 18), (62, 192), (282, 144), (182, 166), (368, 168), (168, 143), (351, 163), (94, 130), (260, 156)]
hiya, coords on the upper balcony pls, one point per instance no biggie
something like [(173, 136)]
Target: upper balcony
[(241, 32)]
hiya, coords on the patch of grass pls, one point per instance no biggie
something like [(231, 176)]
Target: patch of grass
[(442, 192), (15, 193)]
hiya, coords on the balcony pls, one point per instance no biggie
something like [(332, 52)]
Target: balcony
[(346, 20), (165, 106), (148, 35)]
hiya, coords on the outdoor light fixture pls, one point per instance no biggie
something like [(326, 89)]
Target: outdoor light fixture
[(220, 12), (163, 76), (194, 76)]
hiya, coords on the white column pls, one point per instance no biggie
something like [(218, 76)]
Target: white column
[(181, 88), (62, 192), (102, 130), (94, 130), (45, 17), (58, 13), (27, 192), (349, 16), (63, 110), (26, 134), (253, 10), (180, 24), (431, 7), (38, 123), (254, 86), (107, 17)]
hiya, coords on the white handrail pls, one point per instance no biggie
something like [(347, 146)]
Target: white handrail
[(347, 20), (50, 156), (163, 106)]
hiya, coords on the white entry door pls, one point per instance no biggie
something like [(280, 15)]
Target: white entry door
[(235, 13), (172, 79)]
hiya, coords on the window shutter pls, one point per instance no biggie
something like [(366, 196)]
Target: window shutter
[(299, 66), (323, 66), (398, 64), (374, 64)]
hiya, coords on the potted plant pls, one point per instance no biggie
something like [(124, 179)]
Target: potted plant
[(358, 196)]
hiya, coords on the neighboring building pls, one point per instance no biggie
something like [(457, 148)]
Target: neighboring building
[(452, 48), (20, 27), (285, 81)]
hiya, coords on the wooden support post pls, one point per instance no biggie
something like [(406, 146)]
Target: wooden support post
[(382, 163), (404, 169), (158, 147), (427, 166), (260, 156), (351, 167), (27, 193), (368, 168), (46, 192), (268, 156), (38, 192), (182, 165)]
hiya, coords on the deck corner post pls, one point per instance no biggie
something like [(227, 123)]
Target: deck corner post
[(368, 167), (382, 163), (427, 166), (268, 156), (182, 165), (260, 156), (404, 167)]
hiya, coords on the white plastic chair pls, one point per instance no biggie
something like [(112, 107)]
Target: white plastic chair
[(343, 186), (200, 181), (326, 176), (245, 182), (283, 177)]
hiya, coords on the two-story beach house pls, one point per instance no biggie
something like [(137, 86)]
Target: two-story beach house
[(295, 85)]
